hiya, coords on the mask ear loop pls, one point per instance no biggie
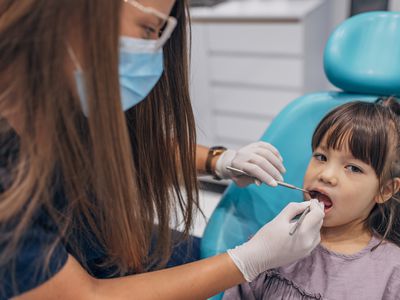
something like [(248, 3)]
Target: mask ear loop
[(73, 57), (169, 28)]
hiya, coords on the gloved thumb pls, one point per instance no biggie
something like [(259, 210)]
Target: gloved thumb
[(316, 215), (293, 209)]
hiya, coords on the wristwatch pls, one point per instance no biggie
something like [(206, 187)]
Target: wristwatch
[(212, 153)]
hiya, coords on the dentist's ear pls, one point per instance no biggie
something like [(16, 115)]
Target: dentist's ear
[(390, 188)]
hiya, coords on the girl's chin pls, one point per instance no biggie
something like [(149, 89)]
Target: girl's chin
[(329, 222)]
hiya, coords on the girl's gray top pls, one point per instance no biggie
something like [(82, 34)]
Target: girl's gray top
[(328, 275)]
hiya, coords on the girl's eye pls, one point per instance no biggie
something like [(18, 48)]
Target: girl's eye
[(353, 169), (319, 156)]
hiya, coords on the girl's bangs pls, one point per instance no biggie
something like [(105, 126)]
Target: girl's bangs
[(358, 129)]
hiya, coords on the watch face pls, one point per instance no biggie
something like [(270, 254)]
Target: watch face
[(212, 152), (218, 148), (218, 151)]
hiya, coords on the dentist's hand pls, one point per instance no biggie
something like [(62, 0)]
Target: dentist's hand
[(260, 159), (272, 246)]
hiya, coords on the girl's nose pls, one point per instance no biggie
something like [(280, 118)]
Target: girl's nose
[(328, 176)]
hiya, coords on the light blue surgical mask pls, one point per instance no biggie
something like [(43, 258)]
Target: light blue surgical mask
[(140, 68)]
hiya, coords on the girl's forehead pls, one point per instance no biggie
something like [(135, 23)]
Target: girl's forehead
[(342, 148), (337, 139), (350, 147), (343, 145)]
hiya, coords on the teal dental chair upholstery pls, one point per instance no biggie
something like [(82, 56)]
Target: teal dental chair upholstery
[(362, 57)]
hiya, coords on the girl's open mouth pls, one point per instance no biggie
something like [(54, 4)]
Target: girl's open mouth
[(323, 199)]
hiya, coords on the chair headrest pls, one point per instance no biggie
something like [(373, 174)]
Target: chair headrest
[(363, 54)]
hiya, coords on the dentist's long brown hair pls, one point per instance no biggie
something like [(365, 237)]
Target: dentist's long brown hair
[(117, 182)]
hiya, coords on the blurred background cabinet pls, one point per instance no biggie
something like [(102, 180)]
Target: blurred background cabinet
[(249, 60)]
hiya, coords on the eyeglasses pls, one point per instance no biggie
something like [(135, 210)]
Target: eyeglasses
[(170, 21)]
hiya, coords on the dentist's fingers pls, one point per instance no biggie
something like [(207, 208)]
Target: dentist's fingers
[(271, 148), (256, 171), (265, 165), (293, 209), (260, 160), (314, 218), (274, 160)]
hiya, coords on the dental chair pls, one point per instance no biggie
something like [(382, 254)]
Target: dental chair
[(362, 57)]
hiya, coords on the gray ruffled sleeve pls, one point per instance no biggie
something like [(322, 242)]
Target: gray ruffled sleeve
[(269, 285)]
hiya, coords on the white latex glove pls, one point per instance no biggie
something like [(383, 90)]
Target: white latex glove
[(272, 246), (260, 159)]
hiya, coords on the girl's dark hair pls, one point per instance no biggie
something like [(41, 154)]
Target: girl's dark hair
[(372, 134)]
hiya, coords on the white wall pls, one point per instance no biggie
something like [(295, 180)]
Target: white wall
[(394, 5), (340, 10)]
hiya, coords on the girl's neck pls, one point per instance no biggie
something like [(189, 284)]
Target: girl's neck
[(346, 239)]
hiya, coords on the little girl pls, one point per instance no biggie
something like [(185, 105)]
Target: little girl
[(355, 172)]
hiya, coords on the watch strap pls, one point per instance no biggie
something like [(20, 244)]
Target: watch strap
[(212, 153)]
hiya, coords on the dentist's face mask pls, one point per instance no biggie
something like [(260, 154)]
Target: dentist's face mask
[(140, 65)]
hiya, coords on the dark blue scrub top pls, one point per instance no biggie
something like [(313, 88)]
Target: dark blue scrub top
[(25, 272), (30, 257)]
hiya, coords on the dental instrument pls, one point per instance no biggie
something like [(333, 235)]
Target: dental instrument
[(299, 221), (284, 184)]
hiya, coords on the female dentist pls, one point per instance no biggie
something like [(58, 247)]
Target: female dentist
[(82, 182)]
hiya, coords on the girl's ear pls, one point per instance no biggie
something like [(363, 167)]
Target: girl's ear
[(390, 188)]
